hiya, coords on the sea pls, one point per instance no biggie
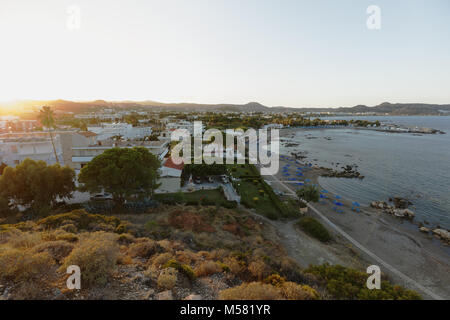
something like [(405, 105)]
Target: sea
[(412, 166)]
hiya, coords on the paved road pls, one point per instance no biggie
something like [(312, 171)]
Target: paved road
[(393, 270)]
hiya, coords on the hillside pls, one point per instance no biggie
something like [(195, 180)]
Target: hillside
[(86, 106), (172, 252)]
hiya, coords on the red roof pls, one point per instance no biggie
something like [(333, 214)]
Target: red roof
[(170, 164), (87, 134)]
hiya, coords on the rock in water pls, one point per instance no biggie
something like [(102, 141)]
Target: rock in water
[(401, 203), (424, 229), (409, 213), (443, 234)]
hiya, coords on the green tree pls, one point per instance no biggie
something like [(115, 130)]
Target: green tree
[(35, 184), (123, 172), (5, 207), (309, 193), (47, 119), (2, 167)]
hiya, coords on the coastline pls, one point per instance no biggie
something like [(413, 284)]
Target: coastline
[(399, 242)]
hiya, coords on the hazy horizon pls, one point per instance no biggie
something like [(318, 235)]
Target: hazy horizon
[(284, 53), (6, 104)]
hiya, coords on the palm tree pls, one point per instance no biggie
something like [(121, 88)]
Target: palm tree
[(47, 119)]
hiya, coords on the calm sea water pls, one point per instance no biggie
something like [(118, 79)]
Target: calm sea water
[(394, 164)]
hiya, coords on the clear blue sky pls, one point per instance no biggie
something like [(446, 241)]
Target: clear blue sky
[(291, 53)]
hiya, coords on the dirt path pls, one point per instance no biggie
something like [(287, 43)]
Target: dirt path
[(370, 255), (306, 250)]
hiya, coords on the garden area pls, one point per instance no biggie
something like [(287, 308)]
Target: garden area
[(257, 194)]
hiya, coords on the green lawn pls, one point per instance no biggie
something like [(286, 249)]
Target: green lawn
[(257, 194)]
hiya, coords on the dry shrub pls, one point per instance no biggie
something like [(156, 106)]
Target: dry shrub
[(187, 220), (69, 227), (144, 248), (7, 233), (166, 244), (294, 291), (203, 255), (185, 256), (236, 266), (96, 255), (207, 268), (233, 227), (124, 259), (261, 291), (59, 234), (219, 254), (251, 291), (22, 265), (259, 269), (275, 280), (58, 250), (167, 278), (24, 240), (126, 238), (161, 259)]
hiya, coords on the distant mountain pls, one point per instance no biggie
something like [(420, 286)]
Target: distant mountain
[(86, 106)]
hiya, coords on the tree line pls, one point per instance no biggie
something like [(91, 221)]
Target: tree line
[(38, 187)]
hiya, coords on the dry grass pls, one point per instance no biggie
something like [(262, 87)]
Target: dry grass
[(143, 248), (22, 265), (58, 250), (207, 268), (259, 269), (167, 278), (251, 291), (96, 255), (261, 291)]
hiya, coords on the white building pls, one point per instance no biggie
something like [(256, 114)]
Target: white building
[(126, 130), (14, 148), (170, 177), (81, 155)]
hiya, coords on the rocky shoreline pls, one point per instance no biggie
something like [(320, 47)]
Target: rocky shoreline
[(400, 210), (349, 172)]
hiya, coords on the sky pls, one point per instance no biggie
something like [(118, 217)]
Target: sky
[(280, 53)]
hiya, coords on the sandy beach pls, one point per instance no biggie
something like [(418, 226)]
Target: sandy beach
[(407, 256)]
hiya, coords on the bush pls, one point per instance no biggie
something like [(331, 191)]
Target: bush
[(259, 269), (262, 291), (182, 268), (126, 238), (24, 266), (144, 248), (81, 219), (58, 250), (5, 209), (207, 268), (96, 256), (314, 228), (161, 259), (347, 283), (275, 280), (167, 278), (309, 193), (294, 291), (251, 291)]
